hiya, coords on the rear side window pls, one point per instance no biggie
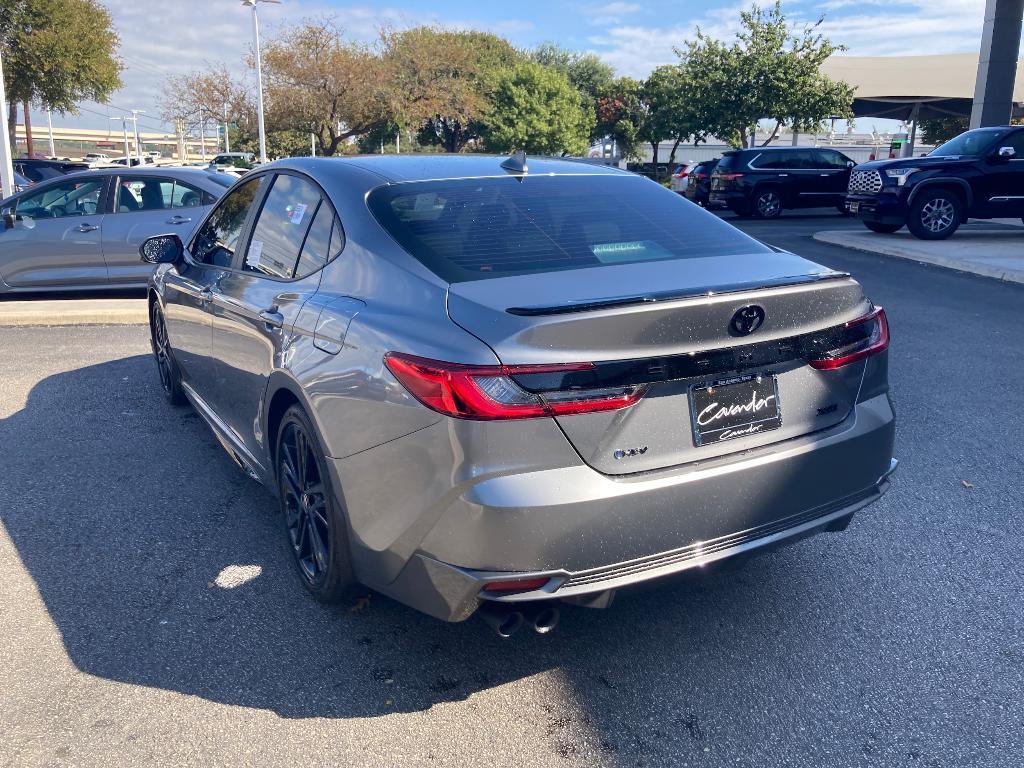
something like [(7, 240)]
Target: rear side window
[(727, 161), (475, 229), (323, 241)]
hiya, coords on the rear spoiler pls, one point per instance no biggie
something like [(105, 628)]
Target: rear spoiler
[(650, 298)]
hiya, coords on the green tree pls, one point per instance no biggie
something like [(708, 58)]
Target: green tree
[(56, 54), (620, 115), (536, 109), (770, 71), (585, 71), (442, 81), (941, 129), (667, 115), (318, 82)]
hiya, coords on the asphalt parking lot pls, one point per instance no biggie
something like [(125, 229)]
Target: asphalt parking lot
[(149, 614)]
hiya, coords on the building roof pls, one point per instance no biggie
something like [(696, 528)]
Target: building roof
[(890, 86)]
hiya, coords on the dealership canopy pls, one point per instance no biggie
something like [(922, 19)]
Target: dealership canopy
[(892, 86)]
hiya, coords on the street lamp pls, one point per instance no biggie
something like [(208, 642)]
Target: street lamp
[(6, 169), (259, 73)]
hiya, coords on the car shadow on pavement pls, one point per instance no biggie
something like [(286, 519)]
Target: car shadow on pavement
[(161, 564)]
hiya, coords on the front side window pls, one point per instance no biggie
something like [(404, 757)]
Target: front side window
[(1015, 140), (216, 242), (72, 198), (476, 229), (281, 228)]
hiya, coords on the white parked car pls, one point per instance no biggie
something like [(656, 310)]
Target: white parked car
[(681, 177)]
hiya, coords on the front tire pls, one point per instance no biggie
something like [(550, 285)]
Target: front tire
[(935, 215), (767, 204), (884, 229), (170, 376), (316, 529)]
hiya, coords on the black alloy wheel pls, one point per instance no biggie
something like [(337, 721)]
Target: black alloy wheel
[(170, 379), (316, 531), (768, 204)]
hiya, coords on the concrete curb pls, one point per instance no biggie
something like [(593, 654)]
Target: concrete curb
[(74, 312), (901, 247)]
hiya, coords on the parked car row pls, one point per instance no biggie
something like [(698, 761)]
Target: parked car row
[(82, 230)]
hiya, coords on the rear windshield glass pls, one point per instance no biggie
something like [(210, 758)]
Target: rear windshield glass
[(474, 229)]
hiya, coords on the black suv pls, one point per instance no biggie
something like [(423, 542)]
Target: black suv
[(36, 170), (762, 182), (979, 174), (699, 186)]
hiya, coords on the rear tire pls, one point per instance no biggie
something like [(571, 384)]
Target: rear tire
[(885, 229), (316, 529), (935, 215), (767, 204), (170, 376)]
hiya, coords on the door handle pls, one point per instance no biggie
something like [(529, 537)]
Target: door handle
[(179, 220), (87, 227), (271, 317), (783, 174), (826, 174)]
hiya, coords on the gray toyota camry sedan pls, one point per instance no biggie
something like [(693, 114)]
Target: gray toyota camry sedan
[(487, 384)]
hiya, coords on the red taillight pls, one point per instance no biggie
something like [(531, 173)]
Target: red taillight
[(730, 176), (876, 340), (490, 392), (516, 585)]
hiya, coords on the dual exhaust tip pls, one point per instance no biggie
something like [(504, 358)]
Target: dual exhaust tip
[(507, 621)]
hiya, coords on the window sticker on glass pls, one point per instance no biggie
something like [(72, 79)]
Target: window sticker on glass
[(636, 250), (252, 257), (296, 212)]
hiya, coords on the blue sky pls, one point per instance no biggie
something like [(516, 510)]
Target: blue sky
[(161, 38)]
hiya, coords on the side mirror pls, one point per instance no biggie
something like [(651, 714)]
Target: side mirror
[(9, 218), (850, 164), (1006, 153), (161, 249)]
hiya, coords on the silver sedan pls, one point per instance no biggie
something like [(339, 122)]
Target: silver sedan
[(82, 231), (487, 385)]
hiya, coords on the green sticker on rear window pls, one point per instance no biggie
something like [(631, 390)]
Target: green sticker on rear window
[(634, 250)]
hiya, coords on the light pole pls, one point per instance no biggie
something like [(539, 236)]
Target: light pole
[(124, 129), (49, 128), (138, 139), (259, 73), (6, 169)]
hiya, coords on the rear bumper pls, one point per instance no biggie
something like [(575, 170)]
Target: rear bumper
[(590, 533), (733, 200)]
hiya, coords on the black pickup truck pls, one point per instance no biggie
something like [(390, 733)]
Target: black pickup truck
[(977, 175)]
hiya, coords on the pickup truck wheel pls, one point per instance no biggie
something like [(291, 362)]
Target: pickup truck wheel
[(885, 229), (935, 215)]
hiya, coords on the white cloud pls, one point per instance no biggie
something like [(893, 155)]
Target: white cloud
[(902, 28), (604, 14)]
